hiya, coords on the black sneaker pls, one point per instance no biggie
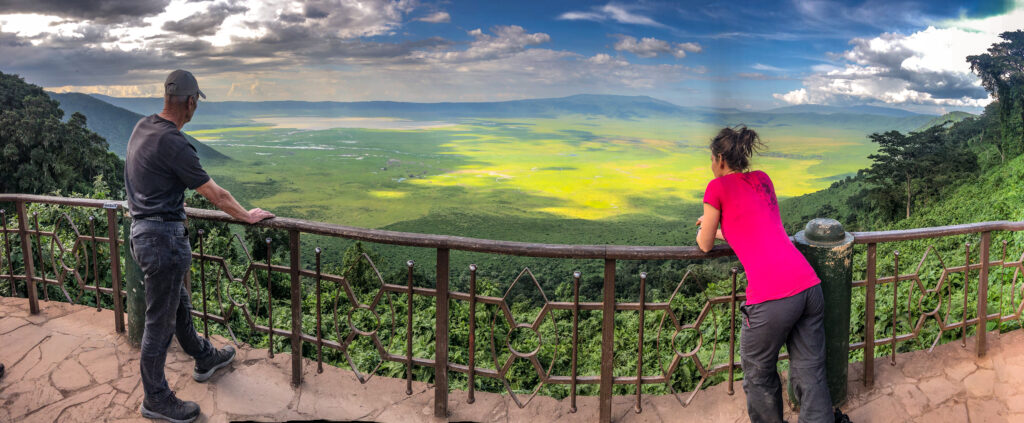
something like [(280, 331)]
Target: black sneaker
[(172, 409), (220, 358)]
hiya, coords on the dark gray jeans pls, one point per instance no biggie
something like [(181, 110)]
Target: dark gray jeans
[(164, 255), (798, 322)]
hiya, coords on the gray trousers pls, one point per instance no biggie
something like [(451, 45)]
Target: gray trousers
[(164, 255), (797, 322)]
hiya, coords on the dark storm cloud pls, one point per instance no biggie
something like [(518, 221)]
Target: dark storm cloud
[(944, 84), (204, 23), (62, 65), (291, 18), (890, 61), (103, 11), (313, 12)]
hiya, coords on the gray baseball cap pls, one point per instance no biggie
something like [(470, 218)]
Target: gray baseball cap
[(181, 82)]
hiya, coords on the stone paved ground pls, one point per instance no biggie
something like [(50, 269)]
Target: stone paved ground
[(67, 364)]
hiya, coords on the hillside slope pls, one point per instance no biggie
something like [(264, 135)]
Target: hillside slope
[(115, 123)]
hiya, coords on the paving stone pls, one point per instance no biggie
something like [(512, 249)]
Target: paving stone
[(18, 342), (959, 370), (198, 392), (101, 363), (135, 398), (988, 411), (51, 412), (42, 395), (879, 409), (30, 360), (336, 394), (74, 323), (126, 383), (260, 389), (950, 413), (938, 390), (1011, 371), (486, 407), (54, 350), (914, 401), (8, 324), (87, 412), (70, 376), (918, 368), (1015, 404), (981, 383)]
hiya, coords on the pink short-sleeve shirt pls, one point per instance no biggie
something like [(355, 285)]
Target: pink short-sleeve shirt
[(753, 228)]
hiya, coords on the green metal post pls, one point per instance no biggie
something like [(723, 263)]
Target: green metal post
[(136, 292), (829, 250)]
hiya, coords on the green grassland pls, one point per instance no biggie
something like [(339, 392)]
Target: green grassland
[(573, 172)]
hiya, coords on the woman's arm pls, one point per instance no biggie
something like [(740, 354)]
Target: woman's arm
[(708, 228)]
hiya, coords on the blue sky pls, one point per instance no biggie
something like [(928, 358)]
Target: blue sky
[(742, 54)]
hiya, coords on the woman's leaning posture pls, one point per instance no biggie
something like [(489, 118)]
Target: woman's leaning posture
[(784, 303)]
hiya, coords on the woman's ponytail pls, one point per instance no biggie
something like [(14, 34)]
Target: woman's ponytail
[(736, 146)]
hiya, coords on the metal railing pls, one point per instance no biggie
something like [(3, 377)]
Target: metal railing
[(66, 266)]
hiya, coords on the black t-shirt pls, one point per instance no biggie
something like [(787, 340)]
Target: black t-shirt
[(159, 166)]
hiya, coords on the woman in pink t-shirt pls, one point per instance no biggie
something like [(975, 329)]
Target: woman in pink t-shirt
[(784, 304)]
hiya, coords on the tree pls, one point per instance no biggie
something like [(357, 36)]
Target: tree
[(40, 154), (1002, 74), (919, 165)]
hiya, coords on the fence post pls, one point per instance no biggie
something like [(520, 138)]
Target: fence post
[(26, 252), (115, 264), (871, 278), (441, 343), (293, 246), (829, 250), (986, 240), (607, 341)]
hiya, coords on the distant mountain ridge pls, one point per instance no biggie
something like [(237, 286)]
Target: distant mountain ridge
[(214, 114), (613, 106), (116, 123), (829, 110)]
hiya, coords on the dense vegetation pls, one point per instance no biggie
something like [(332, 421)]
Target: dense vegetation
[(41, 154)]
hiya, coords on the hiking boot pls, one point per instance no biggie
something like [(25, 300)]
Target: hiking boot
[(220, 358), (171, 409)]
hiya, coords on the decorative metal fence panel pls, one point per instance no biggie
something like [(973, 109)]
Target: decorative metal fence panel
[(66, 256)]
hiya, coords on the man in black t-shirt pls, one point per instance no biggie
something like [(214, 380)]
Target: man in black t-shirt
[(161, 164)]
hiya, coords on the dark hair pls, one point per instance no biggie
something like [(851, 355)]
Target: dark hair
[(736, 145)]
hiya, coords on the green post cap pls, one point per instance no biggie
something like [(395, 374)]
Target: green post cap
[(824, 230)]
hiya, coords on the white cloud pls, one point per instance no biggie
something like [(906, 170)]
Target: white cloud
[(319, 50), (506, 41), (769, 68), (611, 12), (927, 67), (436, 17), (650, 47)]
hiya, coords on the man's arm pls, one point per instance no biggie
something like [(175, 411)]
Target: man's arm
[(223, 199)]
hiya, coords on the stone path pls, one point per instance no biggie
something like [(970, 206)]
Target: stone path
[(67, 364)]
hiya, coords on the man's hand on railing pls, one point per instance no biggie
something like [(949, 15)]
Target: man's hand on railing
[(223, 199), (257, 214)]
